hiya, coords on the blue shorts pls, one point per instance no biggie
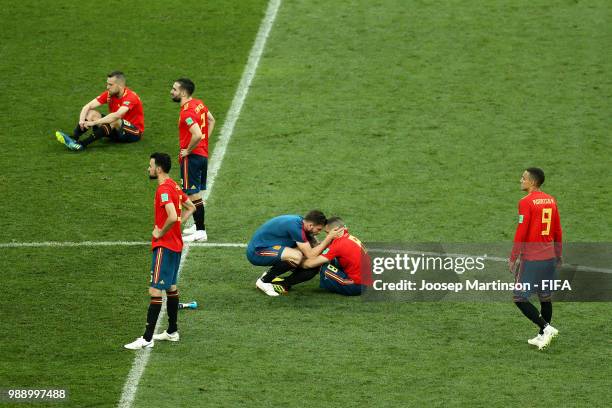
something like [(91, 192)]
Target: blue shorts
[(533, 273), (164, 268), (127, 133), (265, 256), (193, 173), (331, 278)]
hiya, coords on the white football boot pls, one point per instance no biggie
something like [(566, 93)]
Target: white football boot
[(140, 343), (549, 333), (165, 336), (189, 230), (266, 288), (198, 236)]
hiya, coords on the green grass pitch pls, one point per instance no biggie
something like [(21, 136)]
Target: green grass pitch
[(413, 120)]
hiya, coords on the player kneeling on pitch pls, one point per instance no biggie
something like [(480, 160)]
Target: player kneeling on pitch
[(282, 243), (167, 245), (345, 267)]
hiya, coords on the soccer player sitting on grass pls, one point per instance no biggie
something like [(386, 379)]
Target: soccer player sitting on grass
[(123, 124), (345, 266), (283, 242)]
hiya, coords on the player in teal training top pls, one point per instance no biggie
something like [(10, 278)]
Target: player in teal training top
[(283, 242)]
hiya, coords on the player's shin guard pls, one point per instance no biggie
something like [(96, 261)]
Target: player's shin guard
[(78, 132), (172, 306), (276, 270), (198, 215), (152, 315), (300, 275), (531, 312), (98, 133), (546, 310)]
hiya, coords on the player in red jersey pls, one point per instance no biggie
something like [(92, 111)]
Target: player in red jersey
[(344, 267), (167, 245), (537, 248), (195, 124), (123, 124)]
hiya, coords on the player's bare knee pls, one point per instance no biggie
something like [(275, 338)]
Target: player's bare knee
[(173, 288), (155, 292), (93, 115), (296, 258)]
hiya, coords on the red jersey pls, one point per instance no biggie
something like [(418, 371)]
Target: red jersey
[(352, 257), (129, 99), (169, 192), (538, 234), (194, 111)]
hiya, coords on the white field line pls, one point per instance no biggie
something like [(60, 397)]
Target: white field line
[(241, 94), (111, 243), (140, 361), (142, 356), (579, 268)]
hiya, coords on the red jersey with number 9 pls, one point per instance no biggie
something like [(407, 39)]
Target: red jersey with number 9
[(169, 192), (538, 234), (194, 112)]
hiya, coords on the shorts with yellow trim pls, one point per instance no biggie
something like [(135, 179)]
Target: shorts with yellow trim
[(333, 278), (164, 268), (194, 169), (265, 256), (127, 133)]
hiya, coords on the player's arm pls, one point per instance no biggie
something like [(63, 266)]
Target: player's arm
[(522, 230), (91, 105), (172, 218), (196, 136), (211, 123), (310, 252), (314, 262), (111, 117), (188, 209)]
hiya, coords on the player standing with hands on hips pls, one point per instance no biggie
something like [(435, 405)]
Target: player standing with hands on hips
[(196, 124), (537, 247), (167, 246)]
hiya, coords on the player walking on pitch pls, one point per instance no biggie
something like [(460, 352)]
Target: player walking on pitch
[(538, 247), (195, 124), (123, 124), (167, 245)]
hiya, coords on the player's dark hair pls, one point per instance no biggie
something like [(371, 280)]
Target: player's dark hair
[(537, 175), (186, 84), (117, 74), (316, 217), (335, 222), (162, 160)]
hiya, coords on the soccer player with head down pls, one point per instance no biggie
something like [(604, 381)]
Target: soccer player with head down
[(123, 124), (167, 245), (345, 267), (195, 124), (538, 248), (282, 243)]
